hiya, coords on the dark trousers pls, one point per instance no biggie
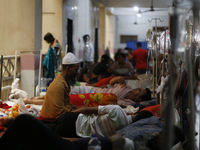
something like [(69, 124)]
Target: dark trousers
[(65, 125), (26, 132)]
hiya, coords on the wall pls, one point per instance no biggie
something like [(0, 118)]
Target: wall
[(17, 26), (21, 31), (110, 32), (52, 21), (125, 26)]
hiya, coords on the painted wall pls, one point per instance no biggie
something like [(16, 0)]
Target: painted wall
[(21, 31), (125, 26), (17, 26), (52, 21)]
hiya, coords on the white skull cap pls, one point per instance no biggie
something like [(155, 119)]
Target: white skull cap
[(70, 58)]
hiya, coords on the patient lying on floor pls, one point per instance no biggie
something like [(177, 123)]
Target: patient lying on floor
[(125, 95), (46, 139)]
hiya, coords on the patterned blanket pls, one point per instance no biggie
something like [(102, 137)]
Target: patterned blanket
[(142, 129)]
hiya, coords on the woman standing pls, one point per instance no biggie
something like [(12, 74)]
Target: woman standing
[(53, 59)]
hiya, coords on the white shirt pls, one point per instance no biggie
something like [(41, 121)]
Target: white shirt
[(88, 53), (110, 119)]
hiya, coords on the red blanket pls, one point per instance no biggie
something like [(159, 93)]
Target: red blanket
[(93, 99)]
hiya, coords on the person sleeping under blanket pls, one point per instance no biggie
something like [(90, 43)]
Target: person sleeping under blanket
[(33, 134), (125, 95)]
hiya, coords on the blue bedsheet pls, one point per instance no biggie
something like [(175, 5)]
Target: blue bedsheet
[(142, 129)]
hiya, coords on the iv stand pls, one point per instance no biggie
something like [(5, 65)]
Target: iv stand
[(157, 97)]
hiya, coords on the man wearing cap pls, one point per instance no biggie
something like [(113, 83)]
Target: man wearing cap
[(57, 99)]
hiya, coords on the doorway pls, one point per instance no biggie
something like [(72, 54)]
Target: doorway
[(70, 47)]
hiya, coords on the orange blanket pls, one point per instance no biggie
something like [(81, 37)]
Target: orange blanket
[(93, 99)]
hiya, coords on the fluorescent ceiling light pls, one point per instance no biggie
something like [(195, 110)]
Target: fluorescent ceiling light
[(135, 8)]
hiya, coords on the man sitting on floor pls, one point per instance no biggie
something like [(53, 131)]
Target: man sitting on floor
[(57, 98)]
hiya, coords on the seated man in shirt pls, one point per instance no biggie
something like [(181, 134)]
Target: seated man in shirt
[(121, 67), (99, 70), (57, 99)]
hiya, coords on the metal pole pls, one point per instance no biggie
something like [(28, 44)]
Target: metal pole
[(153, 74), (15, 67), (192, 103), (169, 115), (163, 65), (155, 40), (157, 95), (1, 74), (163, 74), (39, 76)]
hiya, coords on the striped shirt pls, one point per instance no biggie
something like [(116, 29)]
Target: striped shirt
[(110, 119)]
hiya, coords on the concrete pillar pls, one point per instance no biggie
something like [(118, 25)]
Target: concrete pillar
[(101, 29), (30, 61)]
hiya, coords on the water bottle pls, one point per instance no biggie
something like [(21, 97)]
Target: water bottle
[(43, 86), (94, 143)]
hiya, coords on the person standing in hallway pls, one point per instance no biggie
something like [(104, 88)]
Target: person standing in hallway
[(140, 55), (53, 59), (88, 52)]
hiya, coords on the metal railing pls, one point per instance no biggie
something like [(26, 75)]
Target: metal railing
[(8, 74)]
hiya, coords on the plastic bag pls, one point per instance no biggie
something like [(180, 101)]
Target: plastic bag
[(18, 108), (17, 93), (162, 84)]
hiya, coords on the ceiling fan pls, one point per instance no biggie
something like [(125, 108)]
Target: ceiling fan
[(152, 9), (137, 23)]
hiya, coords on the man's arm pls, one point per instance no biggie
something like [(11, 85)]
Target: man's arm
[(87, 110), (115, 80)]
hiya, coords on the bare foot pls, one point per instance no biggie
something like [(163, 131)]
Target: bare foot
[(86, 78), (5, 120)]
